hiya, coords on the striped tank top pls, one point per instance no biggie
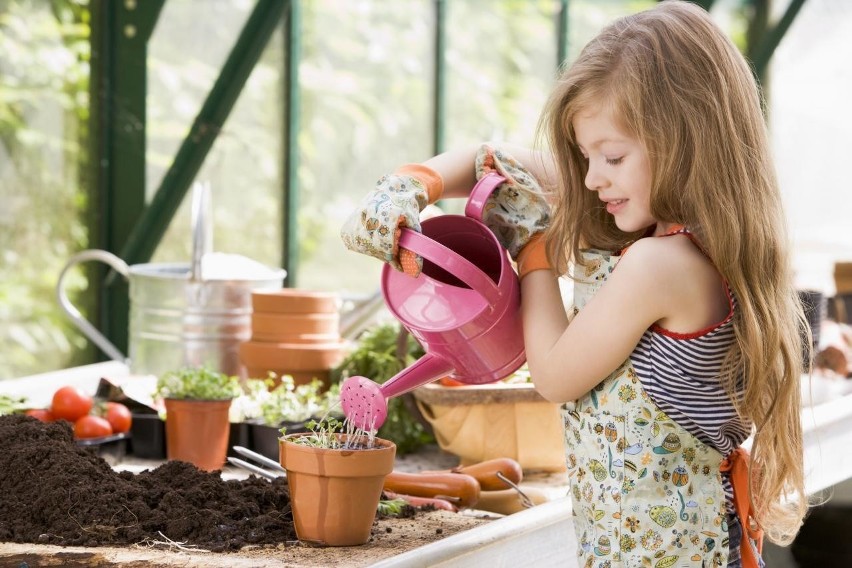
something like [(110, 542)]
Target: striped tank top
[(680, 373)]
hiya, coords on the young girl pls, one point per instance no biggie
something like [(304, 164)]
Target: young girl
[(685, 336)]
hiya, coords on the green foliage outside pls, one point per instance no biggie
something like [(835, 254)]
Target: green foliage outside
[(44, 52)]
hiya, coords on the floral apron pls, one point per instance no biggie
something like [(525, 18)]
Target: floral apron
[(646, 493)]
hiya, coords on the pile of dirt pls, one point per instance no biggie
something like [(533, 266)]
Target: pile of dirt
[(54, 492)]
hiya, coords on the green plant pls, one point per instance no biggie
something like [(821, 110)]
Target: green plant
[(197, 383), (393, 508), (12, 404), (381, 353), (323, 434), (286, 402)]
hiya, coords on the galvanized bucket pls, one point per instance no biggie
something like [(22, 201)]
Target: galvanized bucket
[(178, 317)]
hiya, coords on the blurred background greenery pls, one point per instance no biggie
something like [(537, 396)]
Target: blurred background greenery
[(366, 81)]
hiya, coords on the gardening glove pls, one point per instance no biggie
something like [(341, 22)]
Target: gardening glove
[(517, 211), (395, 203)]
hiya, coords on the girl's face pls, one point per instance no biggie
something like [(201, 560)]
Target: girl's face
[(619, 170)]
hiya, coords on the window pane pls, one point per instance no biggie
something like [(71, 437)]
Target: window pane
[(43, 111), (186, 54), (366, 87)]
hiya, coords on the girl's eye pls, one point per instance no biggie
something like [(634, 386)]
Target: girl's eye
[(614, 161)]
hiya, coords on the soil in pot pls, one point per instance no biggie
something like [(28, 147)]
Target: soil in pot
[(54, 492)]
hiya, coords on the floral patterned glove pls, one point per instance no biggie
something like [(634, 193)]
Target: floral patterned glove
[(395, 203), (517, 211)]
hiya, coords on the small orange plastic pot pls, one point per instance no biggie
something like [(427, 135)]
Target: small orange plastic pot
[(197, 431)]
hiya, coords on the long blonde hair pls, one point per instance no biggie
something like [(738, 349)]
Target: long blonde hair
[(681, 87)]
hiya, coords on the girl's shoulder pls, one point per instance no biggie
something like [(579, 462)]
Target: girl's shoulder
[(667, 255), (685, 283)]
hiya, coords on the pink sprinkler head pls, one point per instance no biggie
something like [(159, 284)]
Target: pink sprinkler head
[(364, 403)]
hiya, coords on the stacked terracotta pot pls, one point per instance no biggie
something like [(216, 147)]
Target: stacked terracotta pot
[(294, 332)]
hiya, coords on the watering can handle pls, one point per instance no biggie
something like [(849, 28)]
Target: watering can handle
[(82, 324), (480, 194), (452, 262)]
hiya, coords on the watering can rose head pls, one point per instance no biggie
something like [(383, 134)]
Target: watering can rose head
[(198, 384)]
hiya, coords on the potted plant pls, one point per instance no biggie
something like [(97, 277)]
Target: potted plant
[(335, 481), (197, 402)]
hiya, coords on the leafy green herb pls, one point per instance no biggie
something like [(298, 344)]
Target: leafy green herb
[(12, 404), (391, 507), (198, 383), (380, 354), (323, 434)]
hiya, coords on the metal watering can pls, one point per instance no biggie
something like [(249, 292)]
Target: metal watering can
[(464, 309), (179, 314)]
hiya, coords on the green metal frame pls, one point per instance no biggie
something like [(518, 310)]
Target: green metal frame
[(439, 107), (765, 42), (120, 35), (290, 202), (119, 79)]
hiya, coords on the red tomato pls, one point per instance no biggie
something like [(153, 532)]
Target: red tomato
[(42, 414), (448, 382), (91, 426), (70, 403), (118, 417)]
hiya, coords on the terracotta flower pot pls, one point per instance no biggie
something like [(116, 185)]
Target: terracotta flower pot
[(291, 356), (334, 493), (295, 328), (293, 301), (197, 431)]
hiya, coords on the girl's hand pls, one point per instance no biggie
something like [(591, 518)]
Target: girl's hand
[(394, 203), (517, 211)]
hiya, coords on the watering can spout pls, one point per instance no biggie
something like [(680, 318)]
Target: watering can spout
[(365, 402)]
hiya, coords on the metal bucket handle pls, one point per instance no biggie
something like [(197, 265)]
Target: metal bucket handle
[(202, 243), (82, 323)]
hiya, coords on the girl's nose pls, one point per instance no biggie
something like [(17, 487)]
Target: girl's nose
[(594, 180)]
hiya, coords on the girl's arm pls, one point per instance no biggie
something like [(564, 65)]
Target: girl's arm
[(457, 167), (661, 280)]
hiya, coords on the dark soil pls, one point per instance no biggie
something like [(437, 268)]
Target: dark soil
[(54, 492)]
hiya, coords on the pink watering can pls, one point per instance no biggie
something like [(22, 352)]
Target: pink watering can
[(463, 309)]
